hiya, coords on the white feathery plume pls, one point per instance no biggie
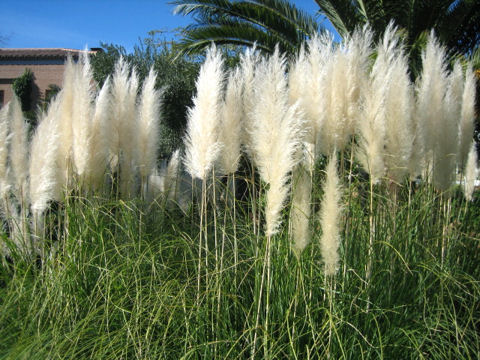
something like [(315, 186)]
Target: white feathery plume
[(471, 173), (275, 135), (446, 145), (372, 126), (65, 121), (467, 117), (171, 176), (298, 76), (248, 63), (18, 149), (334, 123), (430, 108), (299, 85), (358, 50), (82, 112), (128, 141), (345, 76), (4, 143), (201, 141), (148, 126), (399, 102), (44, 182), (119, 102), (231, 124), (301, 200), (330, 218), (320, 50), (99, 138)]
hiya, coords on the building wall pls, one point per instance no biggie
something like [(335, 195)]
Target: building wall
[(44, 75)]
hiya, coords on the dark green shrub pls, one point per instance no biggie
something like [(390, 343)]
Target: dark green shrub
[(23, 87)]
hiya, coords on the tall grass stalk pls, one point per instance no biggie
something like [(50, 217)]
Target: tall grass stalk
[(202, 144)]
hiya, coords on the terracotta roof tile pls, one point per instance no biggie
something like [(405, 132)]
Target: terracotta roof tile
[(39, 52)]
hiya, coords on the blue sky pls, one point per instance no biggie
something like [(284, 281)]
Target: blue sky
[(75, 24)]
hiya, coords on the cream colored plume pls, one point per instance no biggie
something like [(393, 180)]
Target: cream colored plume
[(44, 181), (82, 113), (65, 122), (171, 176), (148, 127), (330, 218), (372, 125), (124, 127), (4, 143), (201, 141), (357, 50), (128, 141), (99, 151), (471, 173), (248, 63), (119, 112), (298, 76), (275, 135), (345, 77), (467, 117), (446, 145), (301, 200), (399, 105), (320, 50), (231, 124), (18, 149), (430, 107)]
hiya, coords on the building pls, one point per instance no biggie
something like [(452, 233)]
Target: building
[(46, 64)]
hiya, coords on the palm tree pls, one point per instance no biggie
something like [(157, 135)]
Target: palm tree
[(264, 22), (267, 22), (456, 22)]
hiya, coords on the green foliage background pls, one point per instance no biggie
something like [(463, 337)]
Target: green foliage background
[(175, 75)]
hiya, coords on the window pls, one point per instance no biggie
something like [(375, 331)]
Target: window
[(2, 94)]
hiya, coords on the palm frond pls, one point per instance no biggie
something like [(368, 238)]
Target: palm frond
[(343, 14), (265, 22)]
